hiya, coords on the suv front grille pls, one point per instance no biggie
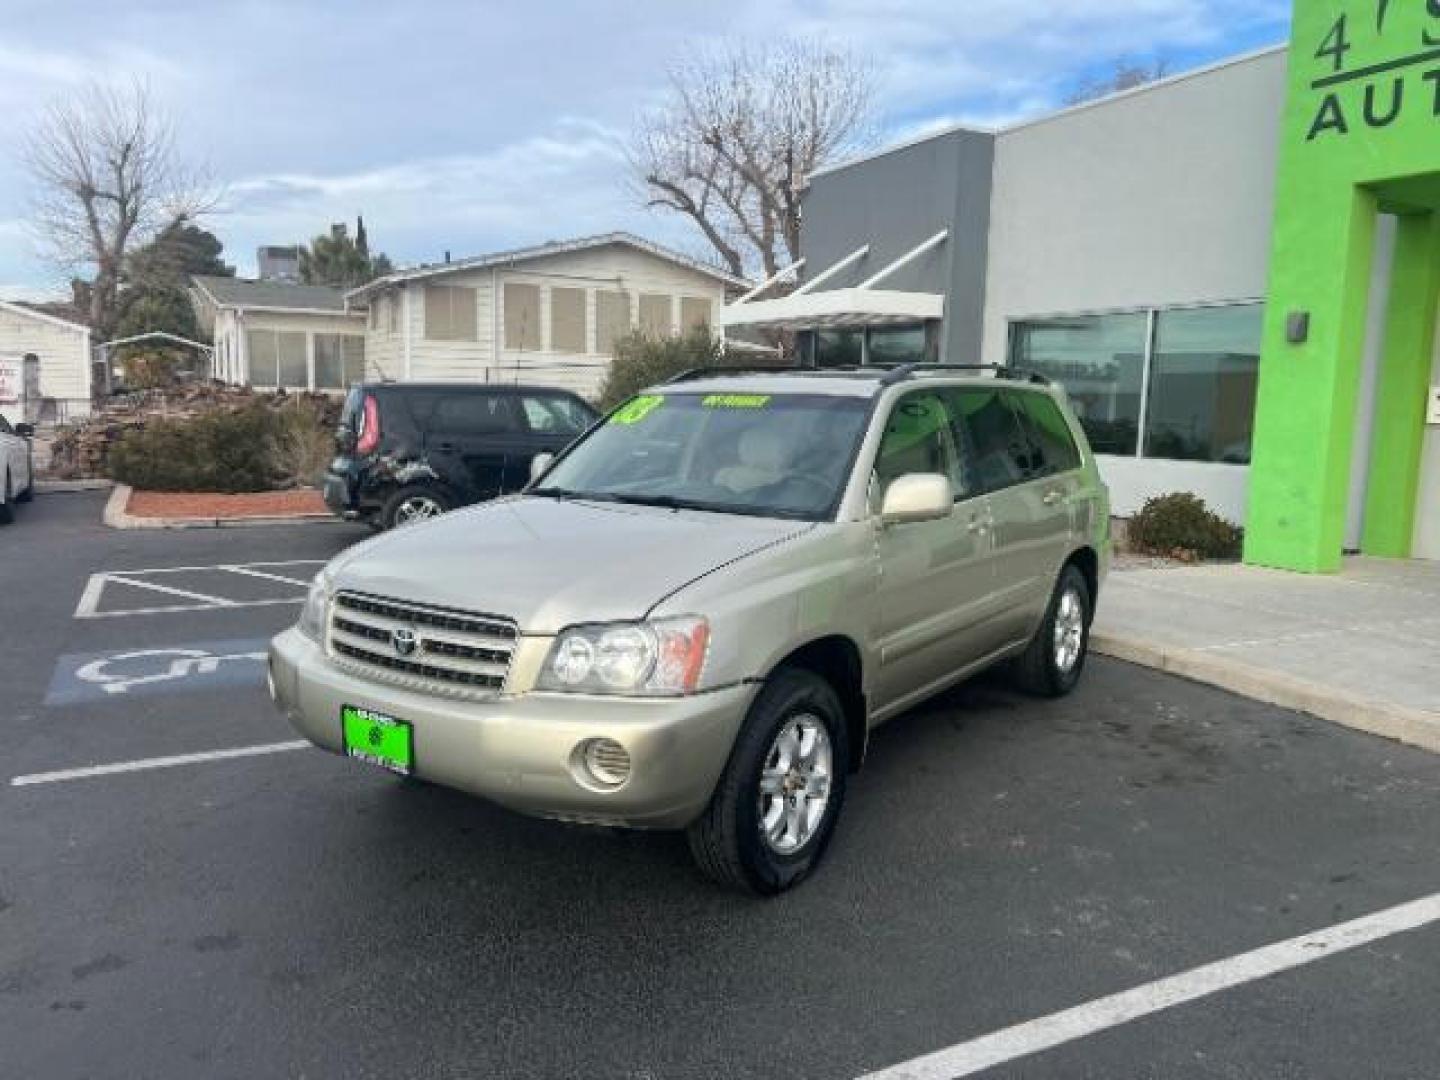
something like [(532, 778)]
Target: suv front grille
[(436, 650)]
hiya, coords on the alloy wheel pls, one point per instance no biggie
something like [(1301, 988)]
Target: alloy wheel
[(417, 508), (1069, 630), (795, 783)]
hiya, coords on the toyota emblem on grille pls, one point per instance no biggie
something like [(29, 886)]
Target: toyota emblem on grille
[(404, 640)]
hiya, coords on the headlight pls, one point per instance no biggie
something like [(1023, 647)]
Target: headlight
[(312, 615), (660, 658)]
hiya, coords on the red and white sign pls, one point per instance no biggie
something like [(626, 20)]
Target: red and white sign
[(12, 379)]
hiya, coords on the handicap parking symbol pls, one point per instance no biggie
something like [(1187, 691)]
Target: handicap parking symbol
[(125, 675)]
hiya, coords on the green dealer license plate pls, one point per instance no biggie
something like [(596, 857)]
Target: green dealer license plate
[(378, 739)]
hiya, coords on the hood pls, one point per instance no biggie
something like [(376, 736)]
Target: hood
[(548, 564)]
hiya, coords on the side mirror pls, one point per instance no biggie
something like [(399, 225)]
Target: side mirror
[(918, 497), (539, 463), (25, 431)]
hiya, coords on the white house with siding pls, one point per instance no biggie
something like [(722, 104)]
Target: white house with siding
[(44, 366), (548, 314), (273, 334)]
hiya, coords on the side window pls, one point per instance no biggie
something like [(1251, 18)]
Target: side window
[(553, 415), (5, 428), (1049, 434), (1000, 454), (475, 414), (919, 438)]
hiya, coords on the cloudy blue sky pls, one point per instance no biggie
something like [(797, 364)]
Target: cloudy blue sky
[(477, 125)]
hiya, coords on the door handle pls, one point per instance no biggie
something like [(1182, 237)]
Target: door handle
[(978, 526), (1052, 497)]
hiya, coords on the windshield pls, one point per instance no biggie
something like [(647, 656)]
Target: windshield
[(773, 455)]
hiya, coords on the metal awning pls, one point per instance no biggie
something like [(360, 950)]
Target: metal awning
[(861, 305), (836, 309)]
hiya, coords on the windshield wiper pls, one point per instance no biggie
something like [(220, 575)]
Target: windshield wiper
[(665, 502), (671, 502), (568, 495)]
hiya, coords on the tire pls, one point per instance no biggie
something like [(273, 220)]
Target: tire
[(1050, 667), (7, 507), (729, 841), (29, 493), (404, 507)]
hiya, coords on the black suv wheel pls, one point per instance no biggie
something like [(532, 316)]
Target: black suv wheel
[(414, 503)]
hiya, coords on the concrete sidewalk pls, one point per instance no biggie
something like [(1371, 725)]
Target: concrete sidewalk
[(1361, 648)]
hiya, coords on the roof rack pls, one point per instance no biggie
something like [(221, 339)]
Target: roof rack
[(885, 375), (1002, 371), (706, 372)]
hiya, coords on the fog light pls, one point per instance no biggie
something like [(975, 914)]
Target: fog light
[(605, 762)]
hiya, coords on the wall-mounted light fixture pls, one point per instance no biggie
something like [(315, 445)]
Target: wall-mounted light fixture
[(1297, 327)]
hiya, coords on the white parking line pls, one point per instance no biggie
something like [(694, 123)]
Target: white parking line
[(170, 590), (1022, 1040), (250, 571), (142, 764), (271, 570)]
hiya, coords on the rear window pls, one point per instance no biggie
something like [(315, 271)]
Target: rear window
[(1052, 444), (474, 414), (555, 414)]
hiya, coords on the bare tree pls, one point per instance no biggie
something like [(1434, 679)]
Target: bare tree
[(107, 182), (1123, 75), (741, 131)]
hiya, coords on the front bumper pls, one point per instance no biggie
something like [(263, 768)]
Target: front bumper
[(519, 751)]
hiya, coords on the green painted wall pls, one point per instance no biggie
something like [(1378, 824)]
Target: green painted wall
[(1402, 386), (1361, 133)]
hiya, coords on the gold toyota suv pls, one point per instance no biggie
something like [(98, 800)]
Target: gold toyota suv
[(693, 617)]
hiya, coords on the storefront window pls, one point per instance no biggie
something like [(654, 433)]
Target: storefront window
[(1202, 384), (897, 345), (1100, 360), (838, 348)]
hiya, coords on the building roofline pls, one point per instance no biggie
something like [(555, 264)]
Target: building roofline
[(905, 144), (53, 320), (540, 251), (197, 281), (1020, 125), (1145, 88)]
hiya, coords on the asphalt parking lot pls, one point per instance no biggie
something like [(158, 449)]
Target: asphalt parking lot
[(1001, 861)]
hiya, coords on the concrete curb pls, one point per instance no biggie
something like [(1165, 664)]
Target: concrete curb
[(115, 517), (1415, 727), (56, 487)]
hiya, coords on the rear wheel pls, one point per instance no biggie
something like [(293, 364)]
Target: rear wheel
[(413, 504), (1051, 665), (29, 492), (774, 810), (7, 505)]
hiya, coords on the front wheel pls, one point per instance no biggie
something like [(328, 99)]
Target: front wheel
[(7, 504), (413, 504), (1051, 665), (774, 810)]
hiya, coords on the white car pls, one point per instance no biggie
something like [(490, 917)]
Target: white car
[(17, 473)]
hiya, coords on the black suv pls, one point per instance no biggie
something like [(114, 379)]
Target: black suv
[(409, 451)]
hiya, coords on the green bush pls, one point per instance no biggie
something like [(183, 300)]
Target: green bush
[(642, 361), (1181, 526), (302, 442), (230, 450)]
